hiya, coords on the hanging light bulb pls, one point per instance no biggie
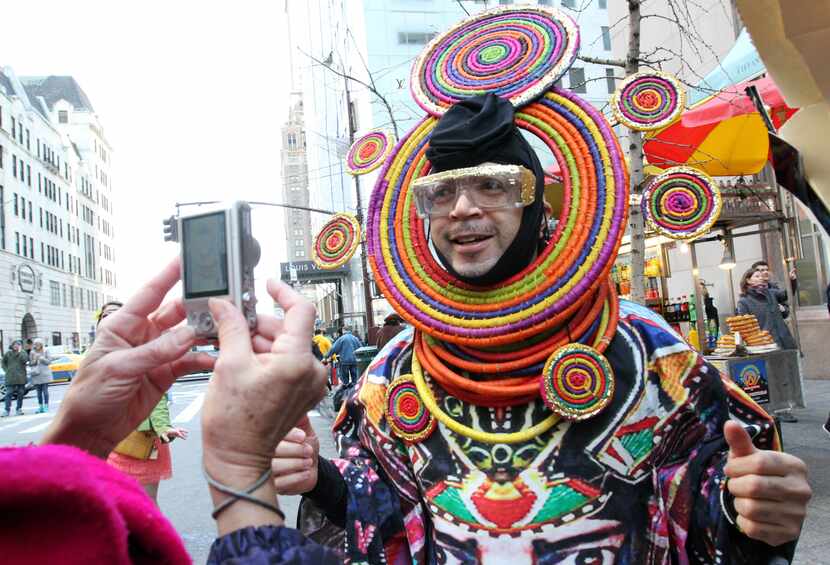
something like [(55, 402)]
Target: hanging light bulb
[(684, 247), (727, 263)]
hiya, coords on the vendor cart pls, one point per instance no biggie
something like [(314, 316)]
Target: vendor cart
[(771, 379)]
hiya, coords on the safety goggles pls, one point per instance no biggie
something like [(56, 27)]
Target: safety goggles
[(489, 187)]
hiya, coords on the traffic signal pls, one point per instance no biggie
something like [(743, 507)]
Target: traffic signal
[(171, 229)]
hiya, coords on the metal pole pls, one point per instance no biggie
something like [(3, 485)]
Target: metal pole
[(699, 306), (367, 289), (728, 242), (785, 253)]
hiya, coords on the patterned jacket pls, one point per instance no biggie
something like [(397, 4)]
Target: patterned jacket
[(638, 484)]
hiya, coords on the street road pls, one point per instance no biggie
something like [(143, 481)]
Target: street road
[(184, 498)]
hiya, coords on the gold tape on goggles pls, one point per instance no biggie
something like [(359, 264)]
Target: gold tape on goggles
[(489, 187)]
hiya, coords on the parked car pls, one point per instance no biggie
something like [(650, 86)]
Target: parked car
[(65, 366)]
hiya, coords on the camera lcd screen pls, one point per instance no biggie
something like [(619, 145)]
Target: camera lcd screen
[(205, 251)]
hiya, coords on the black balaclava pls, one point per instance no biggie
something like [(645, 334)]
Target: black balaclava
[(480, 130)]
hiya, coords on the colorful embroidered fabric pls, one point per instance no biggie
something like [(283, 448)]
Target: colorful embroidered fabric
[(637, 484), (681, 203), (336, 242)]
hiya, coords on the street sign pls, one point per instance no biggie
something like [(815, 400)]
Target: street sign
[(308, 271)]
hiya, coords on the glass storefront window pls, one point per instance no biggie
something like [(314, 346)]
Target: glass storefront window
[(812, 266)]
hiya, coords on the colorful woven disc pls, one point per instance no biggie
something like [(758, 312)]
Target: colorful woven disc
[(368, 152), (577, 382), (405, 412), (516, 53), (681, 203), (648, 101), (336, 242), (564, 276)]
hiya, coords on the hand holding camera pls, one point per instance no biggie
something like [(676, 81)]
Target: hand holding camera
[(135, 358), (257, 395)]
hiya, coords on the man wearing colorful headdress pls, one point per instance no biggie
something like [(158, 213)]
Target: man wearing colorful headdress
[(473, 476)]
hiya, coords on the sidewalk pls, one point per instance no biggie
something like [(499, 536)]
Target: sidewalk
[(804, 439)]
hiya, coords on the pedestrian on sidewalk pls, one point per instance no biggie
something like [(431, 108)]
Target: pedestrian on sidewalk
[(14, 364), (39, 360), (768, 305), (345, 347)]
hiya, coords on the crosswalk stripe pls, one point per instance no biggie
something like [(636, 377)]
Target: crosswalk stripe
[(192, 409), (37, 428), (18, 420)]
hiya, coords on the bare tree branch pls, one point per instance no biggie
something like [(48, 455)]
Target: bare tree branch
[(462, 7), (370, 87), (599, 61)]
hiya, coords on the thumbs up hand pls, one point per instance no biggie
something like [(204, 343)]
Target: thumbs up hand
[(770, 488)]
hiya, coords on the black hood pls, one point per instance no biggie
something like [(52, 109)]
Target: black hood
[(480, 130)]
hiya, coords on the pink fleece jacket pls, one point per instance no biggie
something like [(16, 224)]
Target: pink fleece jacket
[(59, 504)]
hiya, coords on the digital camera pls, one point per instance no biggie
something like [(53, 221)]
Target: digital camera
[(218, 256)]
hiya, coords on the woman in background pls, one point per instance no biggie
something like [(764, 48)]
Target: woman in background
[(145, 453), (40, 360)]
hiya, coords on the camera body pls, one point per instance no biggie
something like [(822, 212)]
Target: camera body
[(218, 256)]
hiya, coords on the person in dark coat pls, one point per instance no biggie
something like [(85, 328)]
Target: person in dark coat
[(14, 364), (392, 325), (763, 302), (758, 299)]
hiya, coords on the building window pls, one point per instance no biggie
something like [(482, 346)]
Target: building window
[(569, 3), (545, 2), (603, 4), (54, 293), (606, 38), (63, 117), (610, 80), (299, 253), (17, 242), (415, 37), (576, 79)]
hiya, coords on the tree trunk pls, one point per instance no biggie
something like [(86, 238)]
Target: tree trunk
[(636, 227)]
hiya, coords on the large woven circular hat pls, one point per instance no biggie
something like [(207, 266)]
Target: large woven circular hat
[(681, 203), (336, 242), (576, 261), (514, 52), (648, 100)]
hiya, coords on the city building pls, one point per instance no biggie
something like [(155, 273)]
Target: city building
[(399, 30), (57, 251)]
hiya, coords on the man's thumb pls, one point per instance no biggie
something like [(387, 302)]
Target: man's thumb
[(740, 444), (305, 425)]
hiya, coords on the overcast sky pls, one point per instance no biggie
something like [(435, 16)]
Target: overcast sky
[(191, 94)]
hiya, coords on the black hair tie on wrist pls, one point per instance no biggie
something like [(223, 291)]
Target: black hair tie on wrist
[(241, 495)]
